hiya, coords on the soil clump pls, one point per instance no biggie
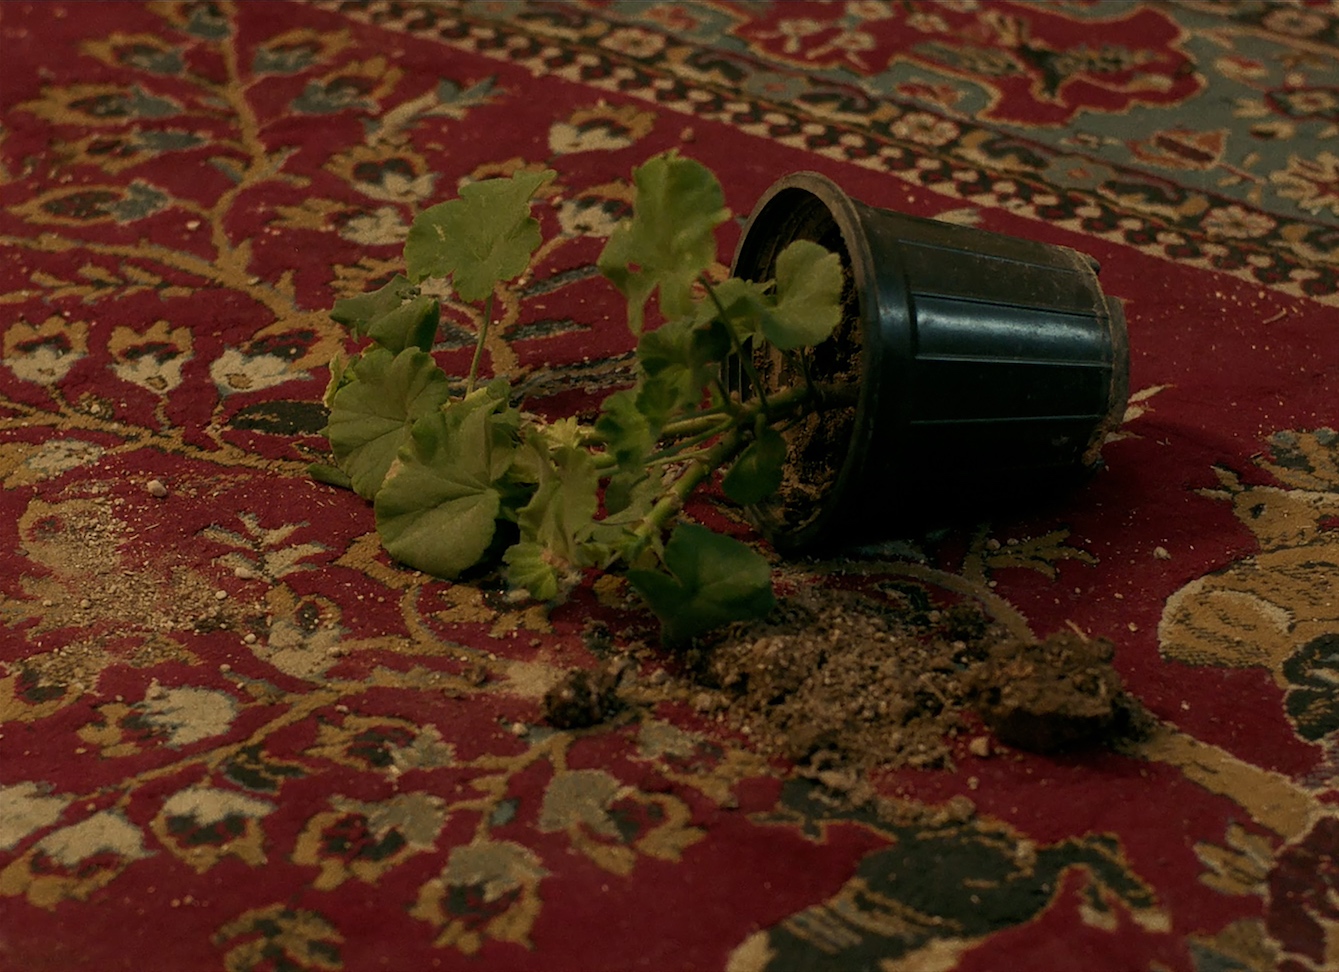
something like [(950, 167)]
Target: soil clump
[(582, 699), (1059, 694)]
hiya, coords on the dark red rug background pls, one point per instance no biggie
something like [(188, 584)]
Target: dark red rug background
[(187, 188)]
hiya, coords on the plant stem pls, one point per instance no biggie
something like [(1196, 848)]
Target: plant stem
[(804, 367), (712, 419), (675, 452), (699, 469), (684, 434), (603, 461), (479, 344), (708, 420), (731, 444), (689, 431), (745, 361)]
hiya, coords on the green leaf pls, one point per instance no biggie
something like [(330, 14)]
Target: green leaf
[(757, 472), (486, 429), (529, 570), (481, 239), (626, 493), (710, 580), (683, 343), (808, 297), (669, 240), (660, 397), (330, 475), (356, 313), (370, 416), (561, 513), (557, 522), (629, 497), (678, 361), (563, 432), (624, 430), (340, 375), (438, 509), (436, 524), (411, 325), (392, 316), (742, 306)]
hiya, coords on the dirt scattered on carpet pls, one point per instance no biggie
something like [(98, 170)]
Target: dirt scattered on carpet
[(100, 597), (840, 679)]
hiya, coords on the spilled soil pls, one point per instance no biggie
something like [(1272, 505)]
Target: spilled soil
[(837, 678), (582, 699)]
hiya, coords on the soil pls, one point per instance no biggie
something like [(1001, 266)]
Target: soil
[(1059, 694), (581, 698), (843, 679)]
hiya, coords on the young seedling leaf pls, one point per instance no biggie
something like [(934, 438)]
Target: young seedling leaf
[(411, 325), (356, 313), (709, 580), (481, 239), (624, 430), (528, 570), (670, 238), (562, 511), (808, 297), (678, 360), (370, 416), (438, 509), (757, 473)]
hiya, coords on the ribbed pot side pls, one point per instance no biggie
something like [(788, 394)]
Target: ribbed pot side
[(990, 368)]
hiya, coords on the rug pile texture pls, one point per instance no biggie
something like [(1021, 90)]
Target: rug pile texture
[(235, 735)]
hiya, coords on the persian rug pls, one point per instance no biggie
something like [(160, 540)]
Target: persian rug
[(235, 735)]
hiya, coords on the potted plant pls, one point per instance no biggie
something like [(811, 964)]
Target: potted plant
[(836, 316)]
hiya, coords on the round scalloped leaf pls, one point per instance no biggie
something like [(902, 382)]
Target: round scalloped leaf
[(370, 416), (711, 580), (437, 511), (808, 297), (670, 239), (479, 240)]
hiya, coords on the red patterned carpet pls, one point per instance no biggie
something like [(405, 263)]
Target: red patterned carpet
[(235, 735)]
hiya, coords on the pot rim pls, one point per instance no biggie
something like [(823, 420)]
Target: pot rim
[(844, 212)]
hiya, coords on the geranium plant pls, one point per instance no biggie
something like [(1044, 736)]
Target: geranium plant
[(461, 477)]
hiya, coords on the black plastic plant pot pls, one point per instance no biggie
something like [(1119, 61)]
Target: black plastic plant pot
[(980, 369)]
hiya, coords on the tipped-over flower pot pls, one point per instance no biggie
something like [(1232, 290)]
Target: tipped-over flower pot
[(986, 367)]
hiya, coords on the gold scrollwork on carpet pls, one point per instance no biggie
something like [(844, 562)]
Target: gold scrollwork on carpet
[(1277, 609)]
